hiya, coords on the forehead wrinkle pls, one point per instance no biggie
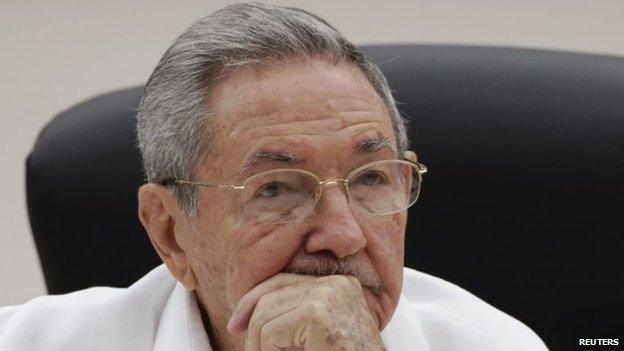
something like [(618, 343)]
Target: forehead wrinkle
[(304, 112), (303, 128)]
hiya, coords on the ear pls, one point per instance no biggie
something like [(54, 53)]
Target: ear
[(158, 211), (410, 156)]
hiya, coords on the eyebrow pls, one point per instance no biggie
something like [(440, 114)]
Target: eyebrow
[(263, 155), (365, 146), (373, 144)]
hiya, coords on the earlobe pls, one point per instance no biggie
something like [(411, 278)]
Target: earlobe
[(157, 213), (182, 270), (189, 280)]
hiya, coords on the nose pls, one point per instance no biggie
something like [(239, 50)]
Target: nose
[(335, 228)]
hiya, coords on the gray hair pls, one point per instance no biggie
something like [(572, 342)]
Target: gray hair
[(172, 130)]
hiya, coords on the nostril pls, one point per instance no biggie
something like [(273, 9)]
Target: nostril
[(340, 236)]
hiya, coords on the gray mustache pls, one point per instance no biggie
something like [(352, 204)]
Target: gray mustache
[(322, 264)]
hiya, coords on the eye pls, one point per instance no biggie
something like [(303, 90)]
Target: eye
[(272, 190), (371, 178)]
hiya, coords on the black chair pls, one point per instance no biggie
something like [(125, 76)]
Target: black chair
[(522, 205)]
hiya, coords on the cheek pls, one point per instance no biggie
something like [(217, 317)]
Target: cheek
[(386, 236), (257, 252), (385, 246), (208, 250)]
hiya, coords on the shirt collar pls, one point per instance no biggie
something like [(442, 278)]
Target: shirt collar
[(181, 327)]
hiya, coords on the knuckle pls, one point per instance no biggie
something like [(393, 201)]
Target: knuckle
[(264, 301), (266, 334), (260, 312), (353, 281), (323, 290), (347, 282), (257, 320), (339, 280), (317, 311)]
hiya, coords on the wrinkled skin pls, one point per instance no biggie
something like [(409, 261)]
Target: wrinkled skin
[(319, 112)]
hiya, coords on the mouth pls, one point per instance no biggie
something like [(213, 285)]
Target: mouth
[(373, 287), (322, 264)]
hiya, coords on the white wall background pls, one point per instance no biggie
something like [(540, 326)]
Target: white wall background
[(54, 54)]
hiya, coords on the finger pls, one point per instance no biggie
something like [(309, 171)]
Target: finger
[(267, 309), (295, 329), (257, 323), (275, 304), (244, 309)]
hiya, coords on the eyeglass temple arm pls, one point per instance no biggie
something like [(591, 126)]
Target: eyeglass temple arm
[(422, 169), (411, 157)]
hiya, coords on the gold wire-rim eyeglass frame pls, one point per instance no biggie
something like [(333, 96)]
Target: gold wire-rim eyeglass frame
[(420, 170)]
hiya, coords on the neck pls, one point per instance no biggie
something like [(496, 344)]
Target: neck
[(220, 338)]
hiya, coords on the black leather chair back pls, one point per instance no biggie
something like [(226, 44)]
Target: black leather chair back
[(522, 205)]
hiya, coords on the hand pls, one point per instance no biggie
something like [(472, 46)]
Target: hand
[(313, 313)]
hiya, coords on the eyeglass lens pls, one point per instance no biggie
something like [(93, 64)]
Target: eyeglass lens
[(287, 195)]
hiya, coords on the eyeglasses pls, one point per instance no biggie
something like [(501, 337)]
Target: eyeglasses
[(287, 195)]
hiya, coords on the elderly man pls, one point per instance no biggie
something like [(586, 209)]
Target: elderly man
[(279, 179)]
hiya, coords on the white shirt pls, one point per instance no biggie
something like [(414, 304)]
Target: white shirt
[(158, 313)]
